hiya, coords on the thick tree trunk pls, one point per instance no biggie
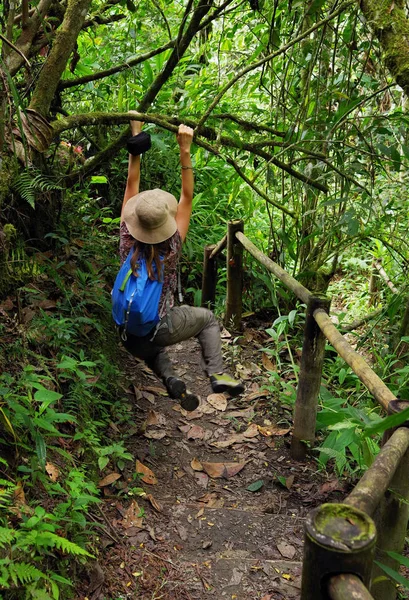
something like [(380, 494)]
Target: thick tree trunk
[(63, 45), (388, 20)]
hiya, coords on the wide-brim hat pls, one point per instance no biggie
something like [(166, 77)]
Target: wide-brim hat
[(150, 216)]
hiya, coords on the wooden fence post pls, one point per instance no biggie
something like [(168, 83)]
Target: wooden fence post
[(234, 275), (391, 520), (338, 539), (312, 358), (209, 277)]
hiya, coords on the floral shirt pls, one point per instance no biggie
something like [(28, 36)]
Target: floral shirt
[(126, 241)]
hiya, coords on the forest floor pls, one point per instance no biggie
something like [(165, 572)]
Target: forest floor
[(223, 507)]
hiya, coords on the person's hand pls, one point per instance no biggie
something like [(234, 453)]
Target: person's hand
[(136, 126), (184, 137)]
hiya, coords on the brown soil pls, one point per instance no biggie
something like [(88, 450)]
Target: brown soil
[(195, 536)]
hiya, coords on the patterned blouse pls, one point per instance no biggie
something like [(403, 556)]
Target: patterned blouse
[(126, 241)]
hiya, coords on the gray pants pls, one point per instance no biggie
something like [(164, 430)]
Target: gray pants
[(181, 323)]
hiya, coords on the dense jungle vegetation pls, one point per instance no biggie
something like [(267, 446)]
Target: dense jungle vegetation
[(301, 130)]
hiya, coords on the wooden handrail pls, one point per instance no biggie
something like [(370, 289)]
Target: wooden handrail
[(219, 247), (292, 284), (346, 586), (374, 384), (369, 490)]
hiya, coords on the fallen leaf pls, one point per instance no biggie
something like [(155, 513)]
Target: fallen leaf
[(155, 435), (182, 531), (206, 544), (52, 471), (224, 334), (251, 431), (255, 486), (196, 465), (155, 390), (152, 418), (268, 431), (148, 396), (267, 597), (258, 394), (267, 362), (147, 475), (19, 496), (108, 479), (248, 413), (132, 517), (202, 479), (195, 433), (176, 407), (226, 470), (218, 401), (184, 428), (331, 486), (286, 550), (233, 439), (154, 502), (289, 482), (200, 513)]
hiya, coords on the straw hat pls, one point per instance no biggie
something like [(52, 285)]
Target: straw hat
[(150, 216)]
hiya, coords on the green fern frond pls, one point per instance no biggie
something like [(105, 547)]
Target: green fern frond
[(6, 536), (39, 594), (67, 546), (30, 182), (24, 573)]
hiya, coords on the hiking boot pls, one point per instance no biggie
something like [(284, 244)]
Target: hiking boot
[(177, 390), (222, 382)]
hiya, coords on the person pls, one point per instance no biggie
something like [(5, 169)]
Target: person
[(155, 225)]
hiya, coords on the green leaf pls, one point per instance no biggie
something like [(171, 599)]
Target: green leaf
[(41, 450), (282, 480), (45, 395), (393, 574), (256, 485), (99, 179), (387, 423)]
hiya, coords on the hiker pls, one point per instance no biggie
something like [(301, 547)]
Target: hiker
[(154, 226)]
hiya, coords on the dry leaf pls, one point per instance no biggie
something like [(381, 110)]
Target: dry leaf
[(331, 486), (200, 513), (52, 471), (19, 496), (286, 550), (155, 435), (155, 390), (267, 363), (184, 428), (132, 516), (268, 431), (154, 502), (233, 439), (195, 433), (108, 479), (152, 418), (202, 479), (258, 394), (289, 482), (251, 431), (148, 396), (226, 470), (147, 475), (196, 465), (218, 401)]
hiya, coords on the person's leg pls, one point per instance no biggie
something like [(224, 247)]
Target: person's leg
[(184, 322), (158, 360)]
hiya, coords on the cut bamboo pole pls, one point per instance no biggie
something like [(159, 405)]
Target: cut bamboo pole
[(385, 277), (219, 247), (373, 286), (209, 278), (312, 358), (338, 539), (374, 384), (234, 275), (369, 491), (391, 520), (292, 284), (346, 587)]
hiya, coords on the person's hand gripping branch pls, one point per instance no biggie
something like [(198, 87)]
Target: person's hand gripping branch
[(184, 138), (134, 167)]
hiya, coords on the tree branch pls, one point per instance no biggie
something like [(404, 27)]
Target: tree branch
[(171, 124), (270, 57), (69, 83)]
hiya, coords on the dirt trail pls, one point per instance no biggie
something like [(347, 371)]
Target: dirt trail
[(202, 535)]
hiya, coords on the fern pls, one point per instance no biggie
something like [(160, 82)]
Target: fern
[(24, 573), (6, 536), (66, 546), (30, 182), (340, 458)]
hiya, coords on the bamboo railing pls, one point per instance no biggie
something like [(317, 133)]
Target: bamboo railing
[(341, 540)]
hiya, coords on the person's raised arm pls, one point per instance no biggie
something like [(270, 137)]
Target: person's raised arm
[(184, 138), (134, 169)]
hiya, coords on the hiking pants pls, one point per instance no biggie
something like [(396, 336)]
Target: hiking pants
[(181, 323)]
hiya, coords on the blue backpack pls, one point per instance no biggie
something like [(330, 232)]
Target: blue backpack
[(135, 300)]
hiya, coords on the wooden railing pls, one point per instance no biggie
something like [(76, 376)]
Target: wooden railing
[(341, 540)]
